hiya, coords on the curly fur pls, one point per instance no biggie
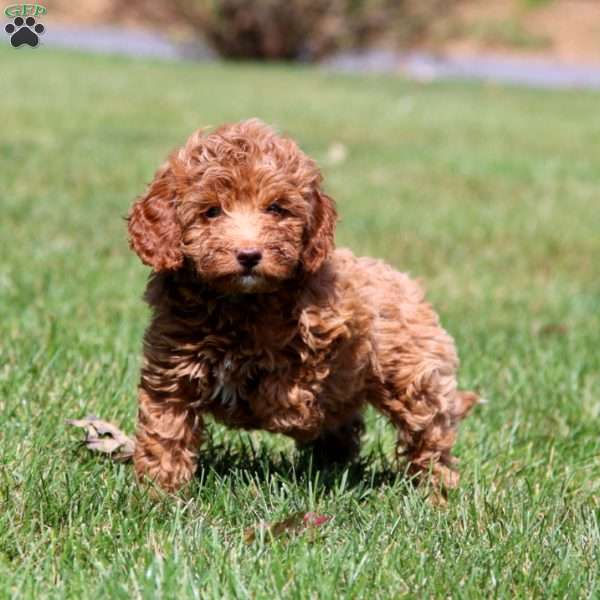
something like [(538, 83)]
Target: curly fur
[(298, 343)]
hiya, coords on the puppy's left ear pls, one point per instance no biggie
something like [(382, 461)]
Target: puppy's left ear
[(320, 232)]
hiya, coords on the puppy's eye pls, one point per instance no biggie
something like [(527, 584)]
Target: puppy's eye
[(275, 208), (212, 212)]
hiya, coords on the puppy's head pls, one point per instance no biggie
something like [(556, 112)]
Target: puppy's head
[(242, 204)]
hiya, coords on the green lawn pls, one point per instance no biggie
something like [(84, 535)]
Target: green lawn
[(490, 194)]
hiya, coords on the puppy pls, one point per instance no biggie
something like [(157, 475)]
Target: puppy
[(260, 323)]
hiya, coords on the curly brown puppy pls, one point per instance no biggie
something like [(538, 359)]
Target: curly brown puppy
[(259, 322)]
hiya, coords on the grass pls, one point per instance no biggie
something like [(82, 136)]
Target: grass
[(490, 194)]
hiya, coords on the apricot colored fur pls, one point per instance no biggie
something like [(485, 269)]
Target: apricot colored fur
[(300, 343)]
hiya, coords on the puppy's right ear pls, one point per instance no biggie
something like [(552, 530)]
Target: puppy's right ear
[(154, 232)]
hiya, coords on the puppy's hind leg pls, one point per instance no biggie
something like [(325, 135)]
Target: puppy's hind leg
[(425, 413), (338, 444)]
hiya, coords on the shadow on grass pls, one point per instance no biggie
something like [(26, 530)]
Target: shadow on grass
[(243, 460)]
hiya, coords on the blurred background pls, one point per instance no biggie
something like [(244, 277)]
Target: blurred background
[(504, 40)]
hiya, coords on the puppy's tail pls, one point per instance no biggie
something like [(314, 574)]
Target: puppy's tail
[(465, 401)]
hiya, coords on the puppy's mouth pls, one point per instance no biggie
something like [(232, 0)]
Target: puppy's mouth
[(249, 280), (245, 282)]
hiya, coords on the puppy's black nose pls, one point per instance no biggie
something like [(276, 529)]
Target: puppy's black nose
[(249, 257)]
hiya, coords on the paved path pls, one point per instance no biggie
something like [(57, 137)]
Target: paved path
[(422, 66), (109, 39), (418, 65)]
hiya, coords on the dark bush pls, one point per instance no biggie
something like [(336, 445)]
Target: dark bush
[(309, 29)]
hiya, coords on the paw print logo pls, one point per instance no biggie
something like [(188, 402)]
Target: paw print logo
[(24, 32)]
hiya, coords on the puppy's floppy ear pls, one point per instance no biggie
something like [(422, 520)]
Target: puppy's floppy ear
[(320, 232), (154, 232)]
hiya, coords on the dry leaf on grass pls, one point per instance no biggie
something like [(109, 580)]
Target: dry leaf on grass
[(102, 436), (551, 329), (295, 523)]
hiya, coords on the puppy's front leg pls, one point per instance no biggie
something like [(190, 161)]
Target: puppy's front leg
[(168, 436)]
